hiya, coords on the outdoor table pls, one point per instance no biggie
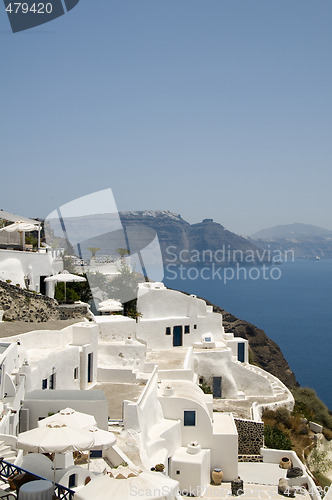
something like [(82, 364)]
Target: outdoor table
[(36, 490)]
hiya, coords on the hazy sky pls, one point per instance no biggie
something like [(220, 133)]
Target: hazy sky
[(208, 108)]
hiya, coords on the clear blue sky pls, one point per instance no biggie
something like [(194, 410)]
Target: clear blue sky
[(208, 108)]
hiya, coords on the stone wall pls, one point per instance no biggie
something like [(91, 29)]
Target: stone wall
[(74, 311), (22, 305), (251, 436)]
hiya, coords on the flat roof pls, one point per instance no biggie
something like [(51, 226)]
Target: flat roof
[(116, 393), (262, 473), (64, 394), (113, 318), (167, 359), (14, 328), (223, 423)]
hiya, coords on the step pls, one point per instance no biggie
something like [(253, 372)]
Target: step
[(7, 453), (10, 458), (5, 449)]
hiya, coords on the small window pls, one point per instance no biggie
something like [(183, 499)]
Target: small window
[(168, 330), (195, 327), (201, 380), (72, 481), (177, 472), (187, 329), (76, 373), (96, 454), (52, 381), (44, 383), (189, 418)]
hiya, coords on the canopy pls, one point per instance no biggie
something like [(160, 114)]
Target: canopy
[(149, 485), (20, 226), (103, 439), (55, 438), (71, 418), (65, 277), (110, 305)]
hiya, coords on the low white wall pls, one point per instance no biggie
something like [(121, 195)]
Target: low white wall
[(175, 374), (41, 408), (274, 456), (122, 355), (115, 328), (116, 375)]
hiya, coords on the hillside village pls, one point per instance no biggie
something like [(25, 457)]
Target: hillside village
[(171, 395)]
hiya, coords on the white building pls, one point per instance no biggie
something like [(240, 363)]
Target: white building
[(178, 344), (23, 266)]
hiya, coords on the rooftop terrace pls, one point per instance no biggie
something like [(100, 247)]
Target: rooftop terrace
[(116, 393)]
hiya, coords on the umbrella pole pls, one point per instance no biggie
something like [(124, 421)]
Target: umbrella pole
[(65, 291), (53, 474)]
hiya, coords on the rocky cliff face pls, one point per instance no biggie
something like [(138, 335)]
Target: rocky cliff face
[(202, 243)]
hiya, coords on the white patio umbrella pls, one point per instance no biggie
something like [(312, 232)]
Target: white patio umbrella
[(20, 227), (150, 485), (110, 305), (65, 277), (55, 438), (71, 418), (102, 439)]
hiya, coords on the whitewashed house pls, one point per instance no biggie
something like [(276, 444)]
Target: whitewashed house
[(177, 344), (25, 267)]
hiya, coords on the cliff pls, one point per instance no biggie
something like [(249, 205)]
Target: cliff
[(202, 243)]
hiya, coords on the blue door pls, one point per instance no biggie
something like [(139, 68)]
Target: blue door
[(177, 336), (240, 352), (217, 389)]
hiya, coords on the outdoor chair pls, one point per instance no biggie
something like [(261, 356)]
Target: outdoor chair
[(7, 495)]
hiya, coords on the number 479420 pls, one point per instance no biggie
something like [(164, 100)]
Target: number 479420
[(24, 8)]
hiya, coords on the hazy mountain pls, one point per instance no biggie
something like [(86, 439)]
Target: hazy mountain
[(201, 243), (292, 231), (303, 240)]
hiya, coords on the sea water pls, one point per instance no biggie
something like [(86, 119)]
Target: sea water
[(293, 307)]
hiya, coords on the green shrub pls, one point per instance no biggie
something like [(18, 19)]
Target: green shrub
[(308, 405), (205, 388), (276, 439), (327, 434)]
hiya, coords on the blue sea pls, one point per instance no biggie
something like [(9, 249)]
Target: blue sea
[(294, 310)]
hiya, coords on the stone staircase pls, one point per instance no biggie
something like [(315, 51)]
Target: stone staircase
[(7, 452), (277, 387)]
